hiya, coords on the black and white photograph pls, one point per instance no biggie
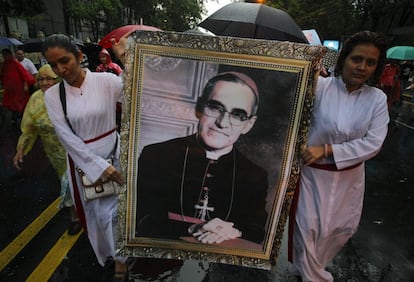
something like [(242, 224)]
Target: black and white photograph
[(211, 141)]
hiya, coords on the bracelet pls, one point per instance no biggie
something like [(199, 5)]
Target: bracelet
[(325, 150)]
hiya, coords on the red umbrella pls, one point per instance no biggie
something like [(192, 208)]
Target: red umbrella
[(118, 33)]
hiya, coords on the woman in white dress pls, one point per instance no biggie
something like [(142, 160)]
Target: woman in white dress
[(89, 140), (348, 126)]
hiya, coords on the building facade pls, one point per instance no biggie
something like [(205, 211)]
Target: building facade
[(53, 20)]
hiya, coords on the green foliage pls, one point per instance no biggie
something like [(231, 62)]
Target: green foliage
[(106, 15), (95, 12), (383, 15), (22, 8), (165, 14), (336, 19), (178, 15), (331, 18)]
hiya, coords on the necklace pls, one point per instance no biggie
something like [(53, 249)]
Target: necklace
[(204, 209)]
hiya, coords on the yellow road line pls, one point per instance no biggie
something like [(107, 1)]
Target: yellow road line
[(8, 253), (55, 256)]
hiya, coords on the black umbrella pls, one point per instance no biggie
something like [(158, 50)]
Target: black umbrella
[(252, 20), (92, 52), (33, 45)]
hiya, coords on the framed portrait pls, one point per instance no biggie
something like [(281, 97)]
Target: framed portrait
[(211, 129)]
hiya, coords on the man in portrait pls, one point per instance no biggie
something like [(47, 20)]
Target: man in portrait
[(200, 186)]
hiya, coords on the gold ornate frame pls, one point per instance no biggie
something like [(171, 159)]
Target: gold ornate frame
[(285, 72)]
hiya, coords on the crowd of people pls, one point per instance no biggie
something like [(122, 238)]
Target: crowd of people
[(348, 127), (26, 95)]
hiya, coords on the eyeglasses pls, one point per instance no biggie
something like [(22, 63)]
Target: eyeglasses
[(46, 79), (215, 109)]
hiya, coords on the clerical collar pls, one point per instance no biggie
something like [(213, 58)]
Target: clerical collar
[(216, 155), (213, 155)]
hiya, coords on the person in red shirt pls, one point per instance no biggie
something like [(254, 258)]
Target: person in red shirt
[(390, 83), (16, 81)]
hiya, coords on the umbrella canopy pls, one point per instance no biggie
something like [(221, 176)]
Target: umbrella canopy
[(7, 41), (121, 31), (401, 53), (92, 51), (32, 45), (252, 20)]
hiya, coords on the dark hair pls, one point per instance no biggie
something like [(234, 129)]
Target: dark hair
[(226, 76), (62, 41), (364, 37), (6, 51)]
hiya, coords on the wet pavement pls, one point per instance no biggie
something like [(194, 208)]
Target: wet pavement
[(381, 250)]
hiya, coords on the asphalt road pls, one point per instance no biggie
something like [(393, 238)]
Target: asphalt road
[(381, 250)]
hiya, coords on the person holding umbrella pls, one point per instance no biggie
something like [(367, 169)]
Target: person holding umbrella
[(348, 126), (405, 55), (117, 39)]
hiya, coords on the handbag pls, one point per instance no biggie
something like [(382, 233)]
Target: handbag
[(103, 187)]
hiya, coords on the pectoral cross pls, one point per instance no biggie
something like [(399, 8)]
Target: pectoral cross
[(203, 209)]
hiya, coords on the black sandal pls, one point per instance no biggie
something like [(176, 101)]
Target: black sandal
[(74, 227)]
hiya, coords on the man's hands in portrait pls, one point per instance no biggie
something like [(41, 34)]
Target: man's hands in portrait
[(214, 231)]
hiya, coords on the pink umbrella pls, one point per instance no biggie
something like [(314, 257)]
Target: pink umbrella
[(118, 33)]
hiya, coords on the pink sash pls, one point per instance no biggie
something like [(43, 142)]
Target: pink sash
[(295, 200)]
